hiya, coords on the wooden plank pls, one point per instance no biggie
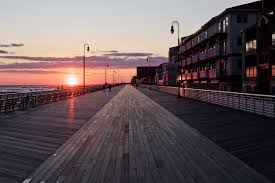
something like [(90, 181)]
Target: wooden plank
[(27, 138), (246, 136), (133, 139)]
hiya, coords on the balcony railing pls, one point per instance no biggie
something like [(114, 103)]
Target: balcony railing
[(188, 61), (184, 77), (188, 45), (183, 62), (189, 76), (195, 41), (214, 52), (213, 74), (195, 58), (202, 37), (195, 75), (203, 74), (215, 30), (203, 56)]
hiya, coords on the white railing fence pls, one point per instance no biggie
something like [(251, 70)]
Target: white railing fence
[(258, 104)]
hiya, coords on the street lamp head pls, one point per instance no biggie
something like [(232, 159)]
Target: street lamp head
[(172, 29)]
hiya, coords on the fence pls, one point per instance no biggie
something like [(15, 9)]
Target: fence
[(258, 104), (10, 102)]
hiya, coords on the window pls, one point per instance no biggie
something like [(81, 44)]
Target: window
[(242, 18), (206, 34), (226, 21), (224, 45), (273, 39), (239, 41), (239, 18), (223, 25), (240, 64), (212, 66), (245, 18), (251, 72), (273, 70), (251, 45)]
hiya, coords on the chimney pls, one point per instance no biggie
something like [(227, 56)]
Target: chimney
[(267, 4)]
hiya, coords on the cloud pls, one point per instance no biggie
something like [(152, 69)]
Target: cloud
[(76, 62), (117, 54), (30, 71), (3, 52), (113, 58), (17, 45), (11, 45), (109, 51)]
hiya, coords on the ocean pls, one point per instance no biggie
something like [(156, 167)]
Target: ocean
[(24, 88)]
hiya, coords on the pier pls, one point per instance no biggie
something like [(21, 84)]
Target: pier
[(130, 135)]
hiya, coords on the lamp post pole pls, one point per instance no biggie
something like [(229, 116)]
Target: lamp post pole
[(106, 74), (150, 80), (172, 31), (114, 72), (86, 46)]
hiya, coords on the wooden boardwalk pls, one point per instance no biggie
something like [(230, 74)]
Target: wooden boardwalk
[(28, 138), (249, 137), (133, 139)]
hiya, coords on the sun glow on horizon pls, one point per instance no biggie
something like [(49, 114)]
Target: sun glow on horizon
[(72, 80)]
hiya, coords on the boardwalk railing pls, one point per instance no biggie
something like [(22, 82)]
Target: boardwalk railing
[(253, 103), (10, 102)]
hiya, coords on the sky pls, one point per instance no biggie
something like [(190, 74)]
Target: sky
[(41, 41)]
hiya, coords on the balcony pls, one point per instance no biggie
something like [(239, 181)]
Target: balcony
[(203, 56), (183, 62), (189, 76), (203, 74), (215, 30), (188, 61), (203, 36), (195, 75), (214, 52), (195, 41), (184, 77), (188, 45), (213, 74), (195, 58)]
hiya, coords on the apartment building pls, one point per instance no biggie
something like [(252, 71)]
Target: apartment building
[(146, 74), (173, 54), (259, 53), (166, 74), (211, 58)]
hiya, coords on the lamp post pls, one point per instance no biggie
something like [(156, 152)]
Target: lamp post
[(172, 31), (86, 46), (114, 72), (150, 83), (106, 74)]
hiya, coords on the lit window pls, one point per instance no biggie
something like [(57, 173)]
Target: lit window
[(273, 39), (251, 72), (251, 45)]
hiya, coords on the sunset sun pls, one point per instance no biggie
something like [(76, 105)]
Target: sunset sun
[(72, 80)]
